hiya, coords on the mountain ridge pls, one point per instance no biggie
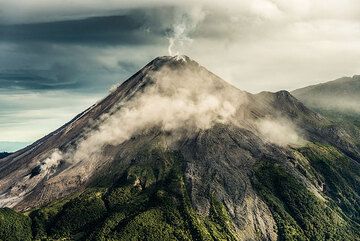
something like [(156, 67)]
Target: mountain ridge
[(338, 99), (342, 80), (177, 153)]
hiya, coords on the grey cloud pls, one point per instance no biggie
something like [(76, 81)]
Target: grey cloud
[(84, 47), (43, 67), (57, 77), (81, 54), (130, 29)]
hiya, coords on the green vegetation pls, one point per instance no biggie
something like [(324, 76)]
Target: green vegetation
[(14, 226), (299, 213), (149, 201), (340, 177), (340, 117), (219, 222)]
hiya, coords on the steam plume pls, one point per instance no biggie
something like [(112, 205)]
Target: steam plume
[(185, 23)]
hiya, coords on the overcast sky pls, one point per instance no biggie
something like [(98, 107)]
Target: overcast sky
[(59, 57)]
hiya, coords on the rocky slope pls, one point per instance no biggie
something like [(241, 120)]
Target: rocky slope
[(176, 153)]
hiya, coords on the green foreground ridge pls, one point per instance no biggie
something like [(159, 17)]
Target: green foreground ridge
[(150, 202)]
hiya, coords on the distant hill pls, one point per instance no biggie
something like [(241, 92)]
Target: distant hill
[(12, 146), (4, 154), (338, 99)]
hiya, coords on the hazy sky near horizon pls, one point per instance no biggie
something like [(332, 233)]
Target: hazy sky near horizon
[(58, 58)]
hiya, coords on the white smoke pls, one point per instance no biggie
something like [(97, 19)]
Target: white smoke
[(279, 131), (113, 88), (185, 23), (53, 161), (177, 100)]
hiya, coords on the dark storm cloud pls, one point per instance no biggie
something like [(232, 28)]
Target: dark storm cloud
[(49, 67), (59, 77), (72, 54), (130, 29), (67, 54), (42, 68)]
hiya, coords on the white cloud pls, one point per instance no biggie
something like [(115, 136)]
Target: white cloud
[(169, 104), (256, 45), (44, 10), (279, 131)]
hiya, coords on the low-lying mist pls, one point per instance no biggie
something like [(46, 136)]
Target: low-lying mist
[(336, 103), (173, 100), (279, 131)]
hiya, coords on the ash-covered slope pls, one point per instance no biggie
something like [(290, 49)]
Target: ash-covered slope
[(168, 92), (176, 153)]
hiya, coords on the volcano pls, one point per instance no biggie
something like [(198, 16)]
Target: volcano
[(177, 153)]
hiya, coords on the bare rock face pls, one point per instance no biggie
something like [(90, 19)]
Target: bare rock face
[(221, 166), (223, 135)]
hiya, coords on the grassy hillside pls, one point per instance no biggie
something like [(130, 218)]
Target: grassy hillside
[(145, 203), (340, 116), (150, 201), (300, 214)]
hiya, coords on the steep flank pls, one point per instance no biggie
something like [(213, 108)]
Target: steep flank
[(177, 153)]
